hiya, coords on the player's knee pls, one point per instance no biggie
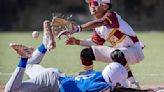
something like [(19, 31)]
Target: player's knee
[(118, 56), (87, 53)]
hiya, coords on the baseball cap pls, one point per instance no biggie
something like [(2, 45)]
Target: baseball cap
[(99, 1), (105, 1), (115, 73)]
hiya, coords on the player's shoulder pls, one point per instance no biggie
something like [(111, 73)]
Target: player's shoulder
[(112, 19), (110, 13)]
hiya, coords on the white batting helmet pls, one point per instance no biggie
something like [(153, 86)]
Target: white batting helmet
[(115, 73)]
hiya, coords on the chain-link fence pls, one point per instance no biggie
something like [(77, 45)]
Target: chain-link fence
[(25, 15)]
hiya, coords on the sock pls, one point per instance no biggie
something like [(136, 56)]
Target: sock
[(23, 62), (42, 48), (130, 74)]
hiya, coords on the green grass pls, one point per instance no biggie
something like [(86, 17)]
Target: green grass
[(66, 58)]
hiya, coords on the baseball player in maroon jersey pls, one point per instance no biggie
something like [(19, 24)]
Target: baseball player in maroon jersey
[(108, 27)]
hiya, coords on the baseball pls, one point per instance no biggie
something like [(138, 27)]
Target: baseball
[(35, 34)]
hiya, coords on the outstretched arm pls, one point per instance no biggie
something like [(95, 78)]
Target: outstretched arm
[(94, 40), (93, 24), (33, 65), (37, 56), (48, 43), (74, 41), (15, 80), (39, 83)]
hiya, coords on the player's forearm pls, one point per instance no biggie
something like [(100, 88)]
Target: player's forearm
[(37, 55), (92, 24), (15, 80), (87, 43), (74, 41)]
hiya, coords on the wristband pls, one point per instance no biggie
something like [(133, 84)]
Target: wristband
[(42, 49), (23, 62), (79, 29)]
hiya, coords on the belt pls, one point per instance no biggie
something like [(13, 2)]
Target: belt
[(120, 36)]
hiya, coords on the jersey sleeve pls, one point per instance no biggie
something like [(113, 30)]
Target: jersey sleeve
[(97, 39), (112, 20), (87, 42)]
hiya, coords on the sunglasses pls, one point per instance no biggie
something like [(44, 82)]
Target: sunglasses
[(93, 2)]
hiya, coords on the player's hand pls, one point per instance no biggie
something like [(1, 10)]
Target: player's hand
[(72, 41)]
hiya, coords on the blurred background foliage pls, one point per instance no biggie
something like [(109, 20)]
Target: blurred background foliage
[(25, 15)]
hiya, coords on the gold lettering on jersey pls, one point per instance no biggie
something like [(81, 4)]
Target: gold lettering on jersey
[(113, 39)]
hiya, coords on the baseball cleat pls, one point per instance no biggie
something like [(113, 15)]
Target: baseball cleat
[(48, 36), (22, 50)]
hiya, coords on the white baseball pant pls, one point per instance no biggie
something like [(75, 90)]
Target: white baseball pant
[(133, 54)]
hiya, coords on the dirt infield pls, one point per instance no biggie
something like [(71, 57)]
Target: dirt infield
[(143, 87)]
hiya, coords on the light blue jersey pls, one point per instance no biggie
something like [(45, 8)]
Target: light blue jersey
[(92, 81)]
